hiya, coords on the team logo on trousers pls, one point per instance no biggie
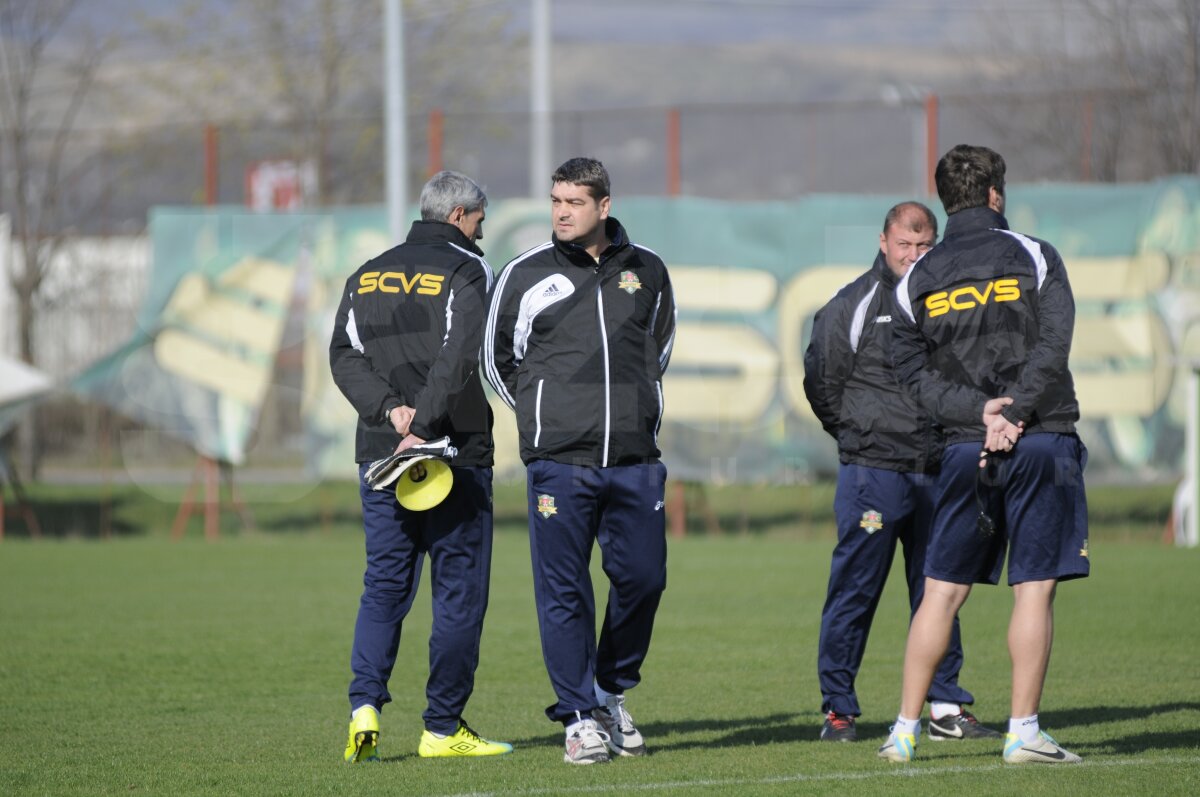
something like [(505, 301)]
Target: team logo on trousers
[(629, 282), (1084, 550), (546, 506), (872, 521)]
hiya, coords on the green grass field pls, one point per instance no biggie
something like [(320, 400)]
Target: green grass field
[(141, 666)]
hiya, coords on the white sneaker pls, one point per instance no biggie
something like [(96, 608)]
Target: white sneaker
[(624, 738), (1044, 751), (586, 744)]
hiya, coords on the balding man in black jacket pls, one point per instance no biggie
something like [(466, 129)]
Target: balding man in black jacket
[(889, 452)]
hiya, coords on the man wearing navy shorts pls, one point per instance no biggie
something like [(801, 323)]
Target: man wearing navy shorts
[(982, 339), (889, 452), (579, 332)]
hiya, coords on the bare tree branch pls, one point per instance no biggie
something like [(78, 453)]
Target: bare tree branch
[(312, 61), (27, 33), (1135, 71)]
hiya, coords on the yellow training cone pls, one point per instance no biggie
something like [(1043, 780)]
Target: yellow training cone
[(424, 484)]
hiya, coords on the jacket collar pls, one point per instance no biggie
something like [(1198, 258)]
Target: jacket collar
[(618, 242), (974, 220), (883, 273), (437, 232)]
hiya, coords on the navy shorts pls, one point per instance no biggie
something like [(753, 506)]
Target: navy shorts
[(1035, 497)]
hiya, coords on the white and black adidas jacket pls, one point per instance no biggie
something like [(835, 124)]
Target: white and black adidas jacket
[(408, 331), (578, 348)]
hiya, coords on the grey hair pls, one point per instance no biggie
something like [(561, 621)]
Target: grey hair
[(447, 190)]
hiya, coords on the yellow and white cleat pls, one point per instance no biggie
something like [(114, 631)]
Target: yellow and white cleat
[(1044, 751), (900, 747)]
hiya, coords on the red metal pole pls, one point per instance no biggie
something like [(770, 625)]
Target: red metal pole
[(179, 525), (677, 509), (674, 148), (206, 467), (931, 142), (437, 126), (211, 167), (212, 499)]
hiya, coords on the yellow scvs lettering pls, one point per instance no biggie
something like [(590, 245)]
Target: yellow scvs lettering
[(397, 281), (965, 298), (431, 284)]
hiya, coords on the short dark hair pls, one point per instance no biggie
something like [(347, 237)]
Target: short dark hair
[(964, 175), (893, 216), (587, 172)]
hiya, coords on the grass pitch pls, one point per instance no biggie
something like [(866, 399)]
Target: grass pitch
[(139, 666)]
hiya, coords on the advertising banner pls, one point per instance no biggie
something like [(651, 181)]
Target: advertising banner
[(748, 279)]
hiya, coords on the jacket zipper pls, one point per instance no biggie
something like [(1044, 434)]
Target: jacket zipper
[(604, 347)]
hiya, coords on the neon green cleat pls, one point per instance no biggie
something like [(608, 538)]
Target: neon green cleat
[(900, 747), (364, 736), (463, 742)]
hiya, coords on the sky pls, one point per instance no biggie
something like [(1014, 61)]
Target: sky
[(825, 22), (638, 53), (729, 21)]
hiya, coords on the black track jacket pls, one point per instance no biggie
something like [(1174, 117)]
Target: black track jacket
[(849, 381), (987, 313), (408, 332), (578, 349)]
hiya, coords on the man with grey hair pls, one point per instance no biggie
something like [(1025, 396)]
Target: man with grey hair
[(405, 352), (451, 196)]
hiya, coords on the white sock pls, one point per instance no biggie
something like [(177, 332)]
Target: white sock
[(1025, 727), (354, 713), (907, 726), (938, 709), (601, 695), (574, 726)]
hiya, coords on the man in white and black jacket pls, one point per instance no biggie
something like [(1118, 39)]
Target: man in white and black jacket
[(889, 452), (579, 332), (405, 351)]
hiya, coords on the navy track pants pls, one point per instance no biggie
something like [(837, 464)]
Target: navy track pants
[(621, 508), (457, 537), (874, 508)]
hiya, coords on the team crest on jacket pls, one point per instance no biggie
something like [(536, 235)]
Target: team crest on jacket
[(629, 282), (546, 506), (872, 521)]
